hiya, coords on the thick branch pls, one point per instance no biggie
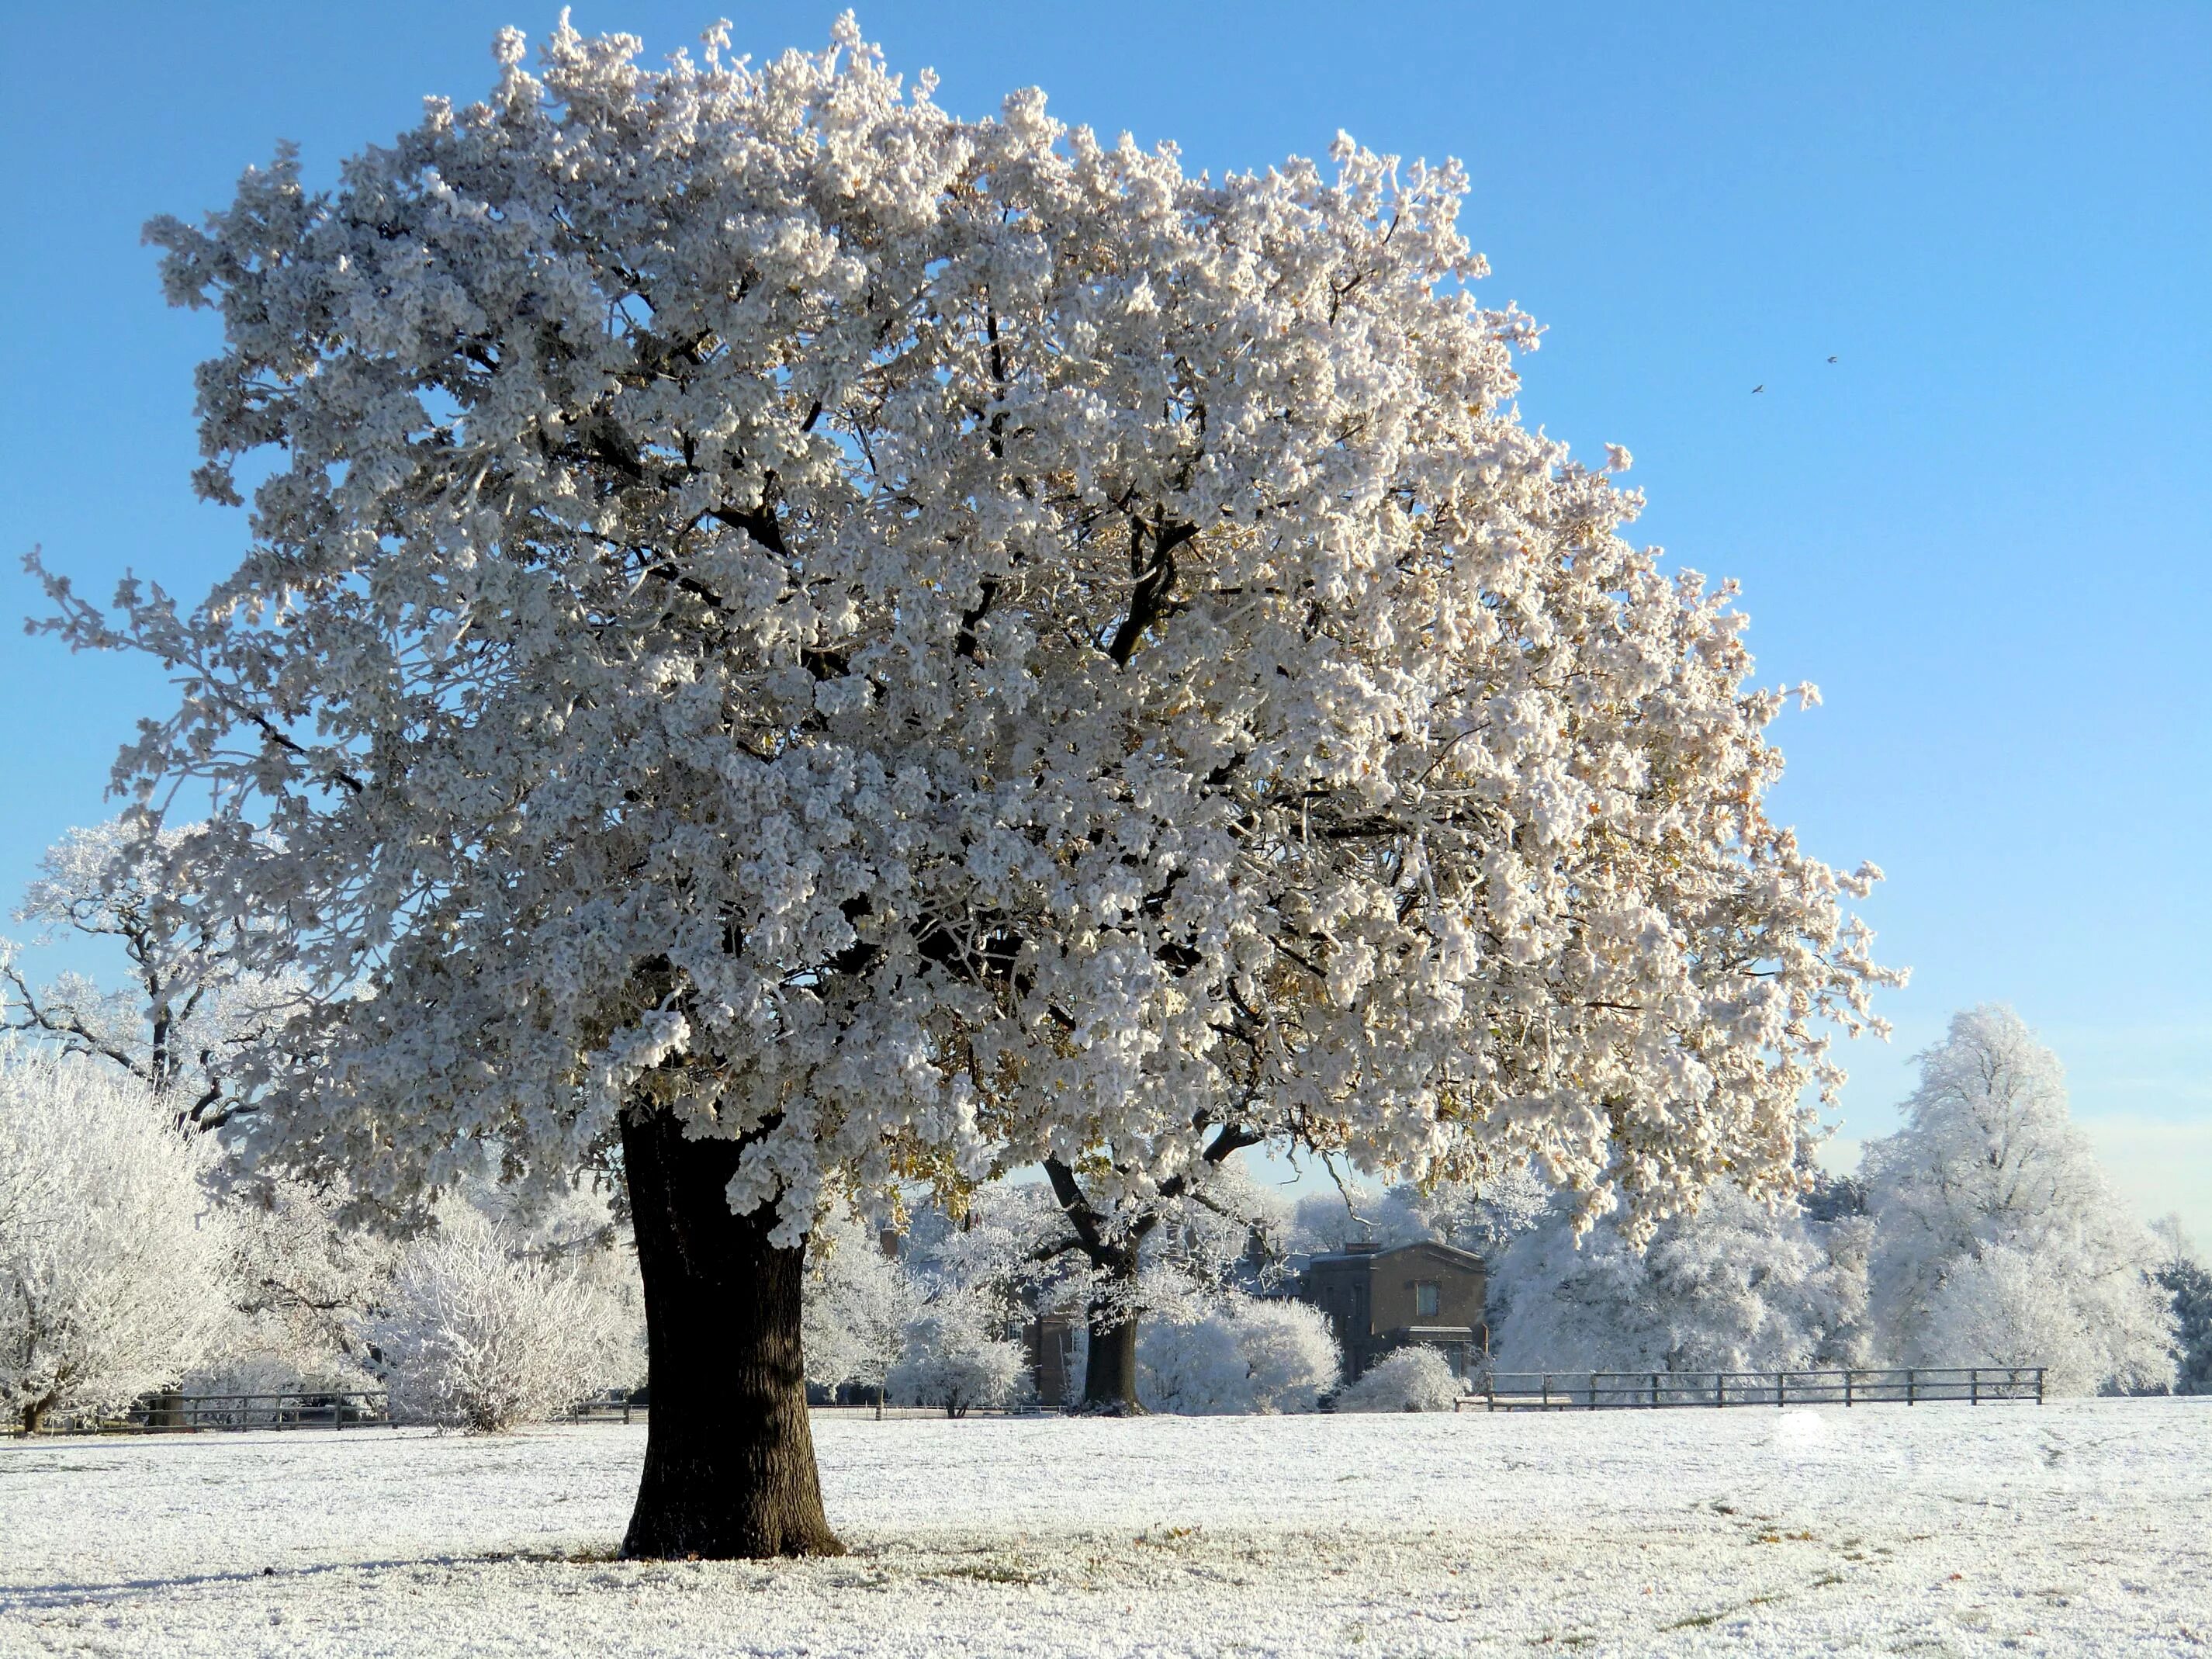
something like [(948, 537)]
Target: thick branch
[(1155, 581)]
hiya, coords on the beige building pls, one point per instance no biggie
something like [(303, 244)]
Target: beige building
[(1378, 1299)]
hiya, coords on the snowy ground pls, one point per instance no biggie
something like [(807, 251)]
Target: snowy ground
[(2077, 1528)]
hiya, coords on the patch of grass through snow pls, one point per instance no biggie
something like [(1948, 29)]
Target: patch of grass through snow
[(994, 1572)]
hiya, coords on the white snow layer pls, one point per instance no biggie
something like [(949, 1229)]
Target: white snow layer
[(2081, 1526)]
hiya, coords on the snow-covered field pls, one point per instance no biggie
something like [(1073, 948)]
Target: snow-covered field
[(2082, 1526)]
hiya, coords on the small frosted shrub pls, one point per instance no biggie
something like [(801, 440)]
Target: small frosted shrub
[(1410, 1380)]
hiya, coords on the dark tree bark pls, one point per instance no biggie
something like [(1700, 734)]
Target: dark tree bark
[(34, 1411), (729, 1456), (1109, 1370), (1109, 1373)]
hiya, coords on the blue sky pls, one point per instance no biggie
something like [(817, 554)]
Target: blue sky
[(1981, 532)]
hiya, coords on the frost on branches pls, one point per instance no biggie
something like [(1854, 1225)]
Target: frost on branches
[(488, 1327), (958, 1355), (1244, 1353), (110, 1256), (299, 1284), (828, 642), (1997, 1239), (188, 1010), (859, 1301), (1735, 1287), (1483, 1217), (302, 1292)]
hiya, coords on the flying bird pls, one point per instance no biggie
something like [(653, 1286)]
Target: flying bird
[(1761, 387), (1831, 360)]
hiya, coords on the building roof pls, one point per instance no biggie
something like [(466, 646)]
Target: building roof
[(1466, 1260)]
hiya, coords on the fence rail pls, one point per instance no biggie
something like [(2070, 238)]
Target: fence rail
[(1502, 1391), (1497, 1391), (183, 1414)]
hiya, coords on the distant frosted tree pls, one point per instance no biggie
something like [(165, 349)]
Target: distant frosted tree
[(487, 1330), (111, 1258), (187, 1008), (1221, 1248), (1193, 1368), (2185, 1277), (1737, 1286), (1290, 1350), (1416, 1379), (859, 1302), (1245, 1354), (1997, 1239), (958, 1356), (301, 1290), (2007, 1307), (1014, 1243)]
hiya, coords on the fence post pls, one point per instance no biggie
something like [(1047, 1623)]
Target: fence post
[(1911, 1386), (1781, 1389), (2038, 1385), (1847, 1386), (1720, 1387), (1973, 1385), (1547, 1391), (1490, 1391)]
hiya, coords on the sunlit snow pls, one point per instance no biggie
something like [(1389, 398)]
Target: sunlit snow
[(2076, 1528)]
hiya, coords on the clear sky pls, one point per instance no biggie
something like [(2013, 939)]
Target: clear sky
[(1982, 531)]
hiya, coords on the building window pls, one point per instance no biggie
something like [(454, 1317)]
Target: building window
[(1428, 1300)]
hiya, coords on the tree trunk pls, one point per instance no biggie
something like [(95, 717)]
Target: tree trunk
[(1109, 1371), (34, 1411), (729, 1456)]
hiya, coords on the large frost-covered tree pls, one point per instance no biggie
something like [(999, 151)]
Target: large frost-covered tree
[(824, 643), (1997, 1239)]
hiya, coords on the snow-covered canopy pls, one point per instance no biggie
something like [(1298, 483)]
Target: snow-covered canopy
[(925, 643)]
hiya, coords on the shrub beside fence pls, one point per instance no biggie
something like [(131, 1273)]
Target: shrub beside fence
[(1501, 1391)]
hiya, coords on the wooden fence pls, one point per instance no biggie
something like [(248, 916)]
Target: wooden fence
[(183, 1414), (1502, 1391)]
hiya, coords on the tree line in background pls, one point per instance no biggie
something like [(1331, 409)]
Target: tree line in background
[(132, 1260)]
